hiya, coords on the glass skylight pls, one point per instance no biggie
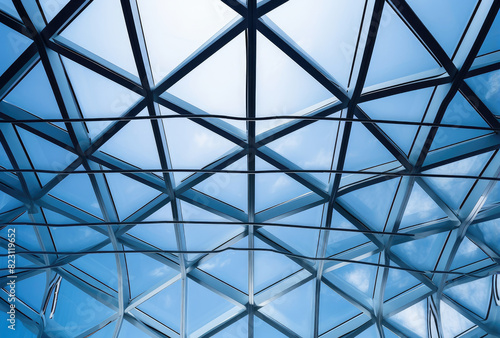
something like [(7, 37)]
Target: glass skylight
[(249, 168)]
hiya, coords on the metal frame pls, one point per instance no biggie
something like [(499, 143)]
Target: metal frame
[(48, 46)]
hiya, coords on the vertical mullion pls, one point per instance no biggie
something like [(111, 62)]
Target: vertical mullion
[(251, 64)]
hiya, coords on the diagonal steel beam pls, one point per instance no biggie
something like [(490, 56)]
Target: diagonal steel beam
[(376, 15)]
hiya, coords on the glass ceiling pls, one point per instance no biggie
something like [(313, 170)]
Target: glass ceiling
[(250, 168)]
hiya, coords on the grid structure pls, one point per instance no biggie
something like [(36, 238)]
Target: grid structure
[(365, 204)]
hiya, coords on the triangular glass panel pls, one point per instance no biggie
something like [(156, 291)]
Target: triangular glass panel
[(8, 202), (421, 208), (217, 86), (371, 332), (396, 45), (421, 253), (21, 328), (327, 31), (21, 263), (174, 31), (489, 233), (160, 235), (454, 190), (205, 236), (310, 147), (340, 241), (408, 106), (31, 290), (98, 97), (70, 298), (165, 306), (122, 187), (467, 253), (101, 30), (8, 7), (203, 306), (304, 241), (486, 87), (26, 235), (359, 275), (270, 267), (12, 45), (283, 87), (236, 330), (389, 334), (145, 272), (457, 18), (4, 159), (229, 188), (398, 281), (46, 155), (192, 146), (402, 135), (108, 330), (230, 266), (412, 320), (77, 190), (294, 309), (365, 150), (492, 42), (101, 266), (135, 143), (74, 238), (334, 309), (19, 217), (263, 329), (51, 8), (274, 188), (474, 295), (459, 112), (453, 323), (34, 95), (372, 203), (492, 199), (130, 331)]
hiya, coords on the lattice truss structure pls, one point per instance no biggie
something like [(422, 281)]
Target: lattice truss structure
[(135, 149)]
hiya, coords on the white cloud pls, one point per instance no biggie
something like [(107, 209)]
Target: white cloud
[(453, 323), (158, 272), (414, 318), (420, 203), (288, 143), (281, 182), (321, 160), (216, 262), (468, 248), (493, 86), (360, 278), (474, 295)]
